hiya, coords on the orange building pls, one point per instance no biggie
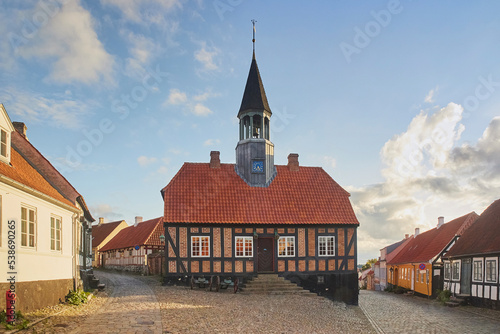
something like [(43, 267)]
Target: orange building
[(418, 266)]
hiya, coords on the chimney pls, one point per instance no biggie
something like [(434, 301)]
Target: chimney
[(215, 159), (407, 236), (101, 220), (21, 128), (417, 231), (293, 162), (440, 221), (138, 219)]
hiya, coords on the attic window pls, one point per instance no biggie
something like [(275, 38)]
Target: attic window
[(3, 144)]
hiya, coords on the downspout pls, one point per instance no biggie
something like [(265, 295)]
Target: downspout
[(74, 252)]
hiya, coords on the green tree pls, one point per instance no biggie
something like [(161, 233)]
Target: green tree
[(369, 264)]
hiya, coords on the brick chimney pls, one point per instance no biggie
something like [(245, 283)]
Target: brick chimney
[(440, 221), (138, 219), (417, 231), (407, 236), (21, 128), (293, 162), (215, 159), (101, 220)]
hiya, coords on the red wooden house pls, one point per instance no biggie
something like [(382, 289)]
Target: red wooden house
[(254, 217)]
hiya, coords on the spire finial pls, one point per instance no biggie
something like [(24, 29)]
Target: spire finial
[(253, 40)]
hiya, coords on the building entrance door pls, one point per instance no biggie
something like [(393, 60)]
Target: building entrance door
[(466, 276), (265, 255)]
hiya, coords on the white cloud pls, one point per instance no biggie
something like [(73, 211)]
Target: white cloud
[(144, 11), (176, 97), (57, 111), (427, 175), (211, 142), (201, 110), (69, 42), (429, 98), (145, 161), (205, 55), (108, 212)]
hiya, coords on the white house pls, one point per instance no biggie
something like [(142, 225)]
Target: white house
[(42, 229)]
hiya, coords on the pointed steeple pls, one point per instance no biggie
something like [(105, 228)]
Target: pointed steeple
[(254, 97)]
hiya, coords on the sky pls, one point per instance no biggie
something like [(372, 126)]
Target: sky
[(397, 100)]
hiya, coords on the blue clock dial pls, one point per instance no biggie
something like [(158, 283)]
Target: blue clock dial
[(257, 166)]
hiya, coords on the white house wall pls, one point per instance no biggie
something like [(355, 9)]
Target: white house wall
[(40, 262)]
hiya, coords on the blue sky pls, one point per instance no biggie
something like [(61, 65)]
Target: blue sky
[(396, 100)]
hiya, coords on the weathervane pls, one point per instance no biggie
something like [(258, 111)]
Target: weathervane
[(253, 39)]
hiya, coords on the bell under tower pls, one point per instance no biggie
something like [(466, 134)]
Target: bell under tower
[(255, 151)]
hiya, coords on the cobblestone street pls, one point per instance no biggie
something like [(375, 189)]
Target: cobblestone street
[(391, 313), (141, 305)]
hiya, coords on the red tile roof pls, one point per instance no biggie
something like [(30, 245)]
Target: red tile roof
[(101, 232), (200, 194), (427, 245), (483, 237), (146, 233), (21, 171)]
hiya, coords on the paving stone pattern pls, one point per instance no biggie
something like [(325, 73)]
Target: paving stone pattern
[(390, 313)]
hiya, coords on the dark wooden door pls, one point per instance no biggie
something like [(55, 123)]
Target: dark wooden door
[(266, 255), (465, 280)]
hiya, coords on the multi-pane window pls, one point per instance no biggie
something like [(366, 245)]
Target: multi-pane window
[(200, 246), (447, 270), (326, 245), (244, 246), (3, 143), (55, 233), (28, 227), (455, 270), (478, 270), (286, 246), (491, 270)]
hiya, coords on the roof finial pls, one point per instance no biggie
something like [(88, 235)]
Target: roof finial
[(253, 39)]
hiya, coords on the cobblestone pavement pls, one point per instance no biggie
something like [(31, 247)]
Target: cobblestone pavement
[(390, 313), (132, 307)]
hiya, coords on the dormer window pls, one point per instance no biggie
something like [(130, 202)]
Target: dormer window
[(3, 144)]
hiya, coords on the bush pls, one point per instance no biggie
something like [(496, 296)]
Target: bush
[(399, 290), (443, 296), (77, 297), (388, 288), (20, 322)]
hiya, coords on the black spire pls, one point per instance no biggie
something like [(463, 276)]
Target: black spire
[(254, 96)]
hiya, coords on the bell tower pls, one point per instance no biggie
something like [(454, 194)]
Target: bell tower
[(255, 151)]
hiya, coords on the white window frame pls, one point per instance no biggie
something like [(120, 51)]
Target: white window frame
[(288, 251), (4, 145), (447, 270), (25, 225), (204, 240), (53, 233), (454, 264), (487, 261), (246, 241), (480, 271), (324, 241)]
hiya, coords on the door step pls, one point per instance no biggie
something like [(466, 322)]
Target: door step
[(272, 284)]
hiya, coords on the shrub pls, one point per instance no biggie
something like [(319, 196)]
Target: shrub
[(443, 296), (399, 290), (20, 322), (77, 297)]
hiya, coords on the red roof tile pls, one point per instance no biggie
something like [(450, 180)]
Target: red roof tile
[(200, 194), (21, 171), (146, 233), (101, 232), (427, 245), (483, 237)]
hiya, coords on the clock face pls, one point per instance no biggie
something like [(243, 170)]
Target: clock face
[(257, 166)]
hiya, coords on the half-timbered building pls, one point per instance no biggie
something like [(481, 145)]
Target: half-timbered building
[(471, 265), (419, 265), (256, 217)]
